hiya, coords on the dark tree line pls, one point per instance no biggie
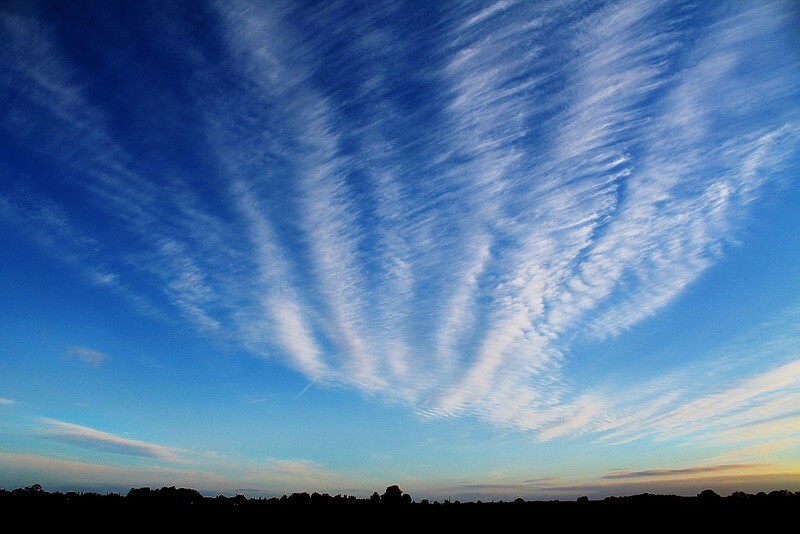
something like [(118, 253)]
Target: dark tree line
[(171, 507)]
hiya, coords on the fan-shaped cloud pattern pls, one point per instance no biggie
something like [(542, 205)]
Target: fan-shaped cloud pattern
[(424, 203)]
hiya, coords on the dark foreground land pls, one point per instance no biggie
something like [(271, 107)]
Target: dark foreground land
[(172, 508)]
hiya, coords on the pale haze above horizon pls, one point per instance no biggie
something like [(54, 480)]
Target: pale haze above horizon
[(482, 250)]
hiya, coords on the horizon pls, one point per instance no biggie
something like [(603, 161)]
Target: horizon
[(392, 494), (480, 250)]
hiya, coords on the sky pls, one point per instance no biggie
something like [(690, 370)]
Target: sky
[(482, 250)]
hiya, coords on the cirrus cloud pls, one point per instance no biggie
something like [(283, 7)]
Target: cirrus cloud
[(93, 357), (91, 438), (556, 176)]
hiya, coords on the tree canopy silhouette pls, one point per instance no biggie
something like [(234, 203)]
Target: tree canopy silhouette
[(187, 506)]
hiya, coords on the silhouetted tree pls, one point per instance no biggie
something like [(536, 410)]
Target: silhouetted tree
[(139, 493), (779, 494), (36, 488), (392, 495), (300, 498), (395, 496), (709, 496)]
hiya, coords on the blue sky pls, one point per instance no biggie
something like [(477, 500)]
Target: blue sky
[(483, 250)]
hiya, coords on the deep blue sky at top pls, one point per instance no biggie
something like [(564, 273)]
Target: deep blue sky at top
[(342, 243)]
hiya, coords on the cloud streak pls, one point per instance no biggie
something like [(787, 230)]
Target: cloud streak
[(431, 215), (92, 357), (98, 440), (701, 470)]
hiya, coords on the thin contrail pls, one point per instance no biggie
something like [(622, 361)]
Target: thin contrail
[(303, 391)]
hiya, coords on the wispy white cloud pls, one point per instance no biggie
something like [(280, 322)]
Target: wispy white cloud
[(88, 355), (785, 427), (103, 441), (104, 172), (772, 392), (280, 301), (681, 472), (488, 12), (759, 409), (564, 175), (330, 222), (325, 208), (766, 447), (630, 238), (6, 402)]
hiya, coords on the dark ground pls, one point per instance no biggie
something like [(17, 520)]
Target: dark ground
[(180, 509)]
